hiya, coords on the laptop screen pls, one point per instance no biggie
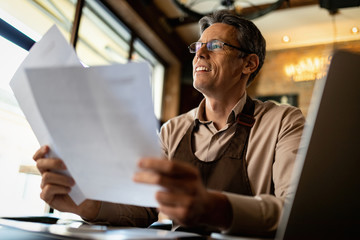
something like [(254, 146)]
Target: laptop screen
[(327, 174)]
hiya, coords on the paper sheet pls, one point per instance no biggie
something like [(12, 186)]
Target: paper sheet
[(51, 50), (99, 120), (102, 121)]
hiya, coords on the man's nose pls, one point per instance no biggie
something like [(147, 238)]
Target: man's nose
[(202, 52)]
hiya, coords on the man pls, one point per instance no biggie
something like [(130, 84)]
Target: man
[(231, 158)]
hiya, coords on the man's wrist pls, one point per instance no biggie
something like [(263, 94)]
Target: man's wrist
[(219, 212), (89, 209)]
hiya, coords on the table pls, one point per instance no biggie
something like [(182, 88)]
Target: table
[(50, 228)]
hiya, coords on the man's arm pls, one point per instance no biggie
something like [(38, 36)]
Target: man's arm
[(184, 198), (56, 187), (116, 214), (274, 145)]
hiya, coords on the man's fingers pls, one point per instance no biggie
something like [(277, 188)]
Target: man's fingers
[(170, 183), (151, 177), (171, 168), (41, 152), (50, 164), (178, 214), (49, 191), (172, 199), (47, 164), (174, 176), (51, 178), (147, 177)]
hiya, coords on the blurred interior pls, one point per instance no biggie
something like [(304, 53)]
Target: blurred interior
[(301, 36)]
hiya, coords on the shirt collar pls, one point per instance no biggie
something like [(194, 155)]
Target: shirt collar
[(199, 115)]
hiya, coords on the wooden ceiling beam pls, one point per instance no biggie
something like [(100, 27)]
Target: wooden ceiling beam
[(156, 20), (175, 22)]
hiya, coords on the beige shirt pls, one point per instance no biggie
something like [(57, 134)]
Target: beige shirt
[(273, 144)]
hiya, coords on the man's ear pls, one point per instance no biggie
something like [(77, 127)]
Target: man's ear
[(251, 63)]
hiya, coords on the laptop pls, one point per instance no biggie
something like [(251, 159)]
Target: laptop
[(326, 204)]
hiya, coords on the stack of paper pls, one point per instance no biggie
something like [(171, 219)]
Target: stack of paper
[(98, 120)]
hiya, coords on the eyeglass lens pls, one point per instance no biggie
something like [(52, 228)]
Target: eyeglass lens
[(211, 46)]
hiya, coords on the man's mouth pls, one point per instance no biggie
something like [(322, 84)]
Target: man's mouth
[(202, 69)]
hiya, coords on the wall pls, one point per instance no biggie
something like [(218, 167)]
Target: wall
[(272, 79)]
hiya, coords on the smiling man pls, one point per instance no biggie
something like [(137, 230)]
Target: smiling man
[(231, 158)]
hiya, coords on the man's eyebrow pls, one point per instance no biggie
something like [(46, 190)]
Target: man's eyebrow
[(210, 40)]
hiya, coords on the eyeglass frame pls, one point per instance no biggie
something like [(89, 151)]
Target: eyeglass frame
[(223, 43)]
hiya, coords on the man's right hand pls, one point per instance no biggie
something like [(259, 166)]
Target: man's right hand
[(56, 187)]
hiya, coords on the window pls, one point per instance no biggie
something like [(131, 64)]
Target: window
[(103, 39), (143, 53), (17, 142)]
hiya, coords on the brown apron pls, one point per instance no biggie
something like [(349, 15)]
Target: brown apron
[(228, 172)]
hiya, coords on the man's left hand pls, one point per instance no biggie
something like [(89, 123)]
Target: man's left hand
[(183, 198)]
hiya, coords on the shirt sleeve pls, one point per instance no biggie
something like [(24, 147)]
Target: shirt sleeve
[(261, 214), (125, 215), (257, 215)]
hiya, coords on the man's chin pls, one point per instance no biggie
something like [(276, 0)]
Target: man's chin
[(202, 88), (198, 87)]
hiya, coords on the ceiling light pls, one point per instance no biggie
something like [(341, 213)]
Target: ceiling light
[(354, 30), (285, 39)]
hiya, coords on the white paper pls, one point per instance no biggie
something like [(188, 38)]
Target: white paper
[(51, 50), (102, 122), (99, 120)]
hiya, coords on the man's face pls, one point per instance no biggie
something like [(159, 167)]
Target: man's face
[(218, 72)]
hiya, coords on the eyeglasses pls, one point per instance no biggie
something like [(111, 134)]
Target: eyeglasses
[(213, 45)]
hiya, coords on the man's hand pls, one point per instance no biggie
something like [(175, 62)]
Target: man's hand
[(184, 198), (56, 186)]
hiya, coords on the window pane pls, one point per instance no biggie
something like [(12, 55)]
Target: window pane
[(17, 142), (34, 18), (102, 39), (143, 53)]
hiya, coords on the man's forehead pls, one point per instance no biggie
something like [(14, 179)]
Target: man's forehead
[(220, 31)]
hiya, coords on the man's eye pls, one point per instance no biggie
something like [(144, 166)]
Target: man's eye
[(216, 46)]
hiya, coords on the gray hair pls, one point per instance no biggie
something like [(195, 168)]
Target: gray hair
[(248, 35)]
